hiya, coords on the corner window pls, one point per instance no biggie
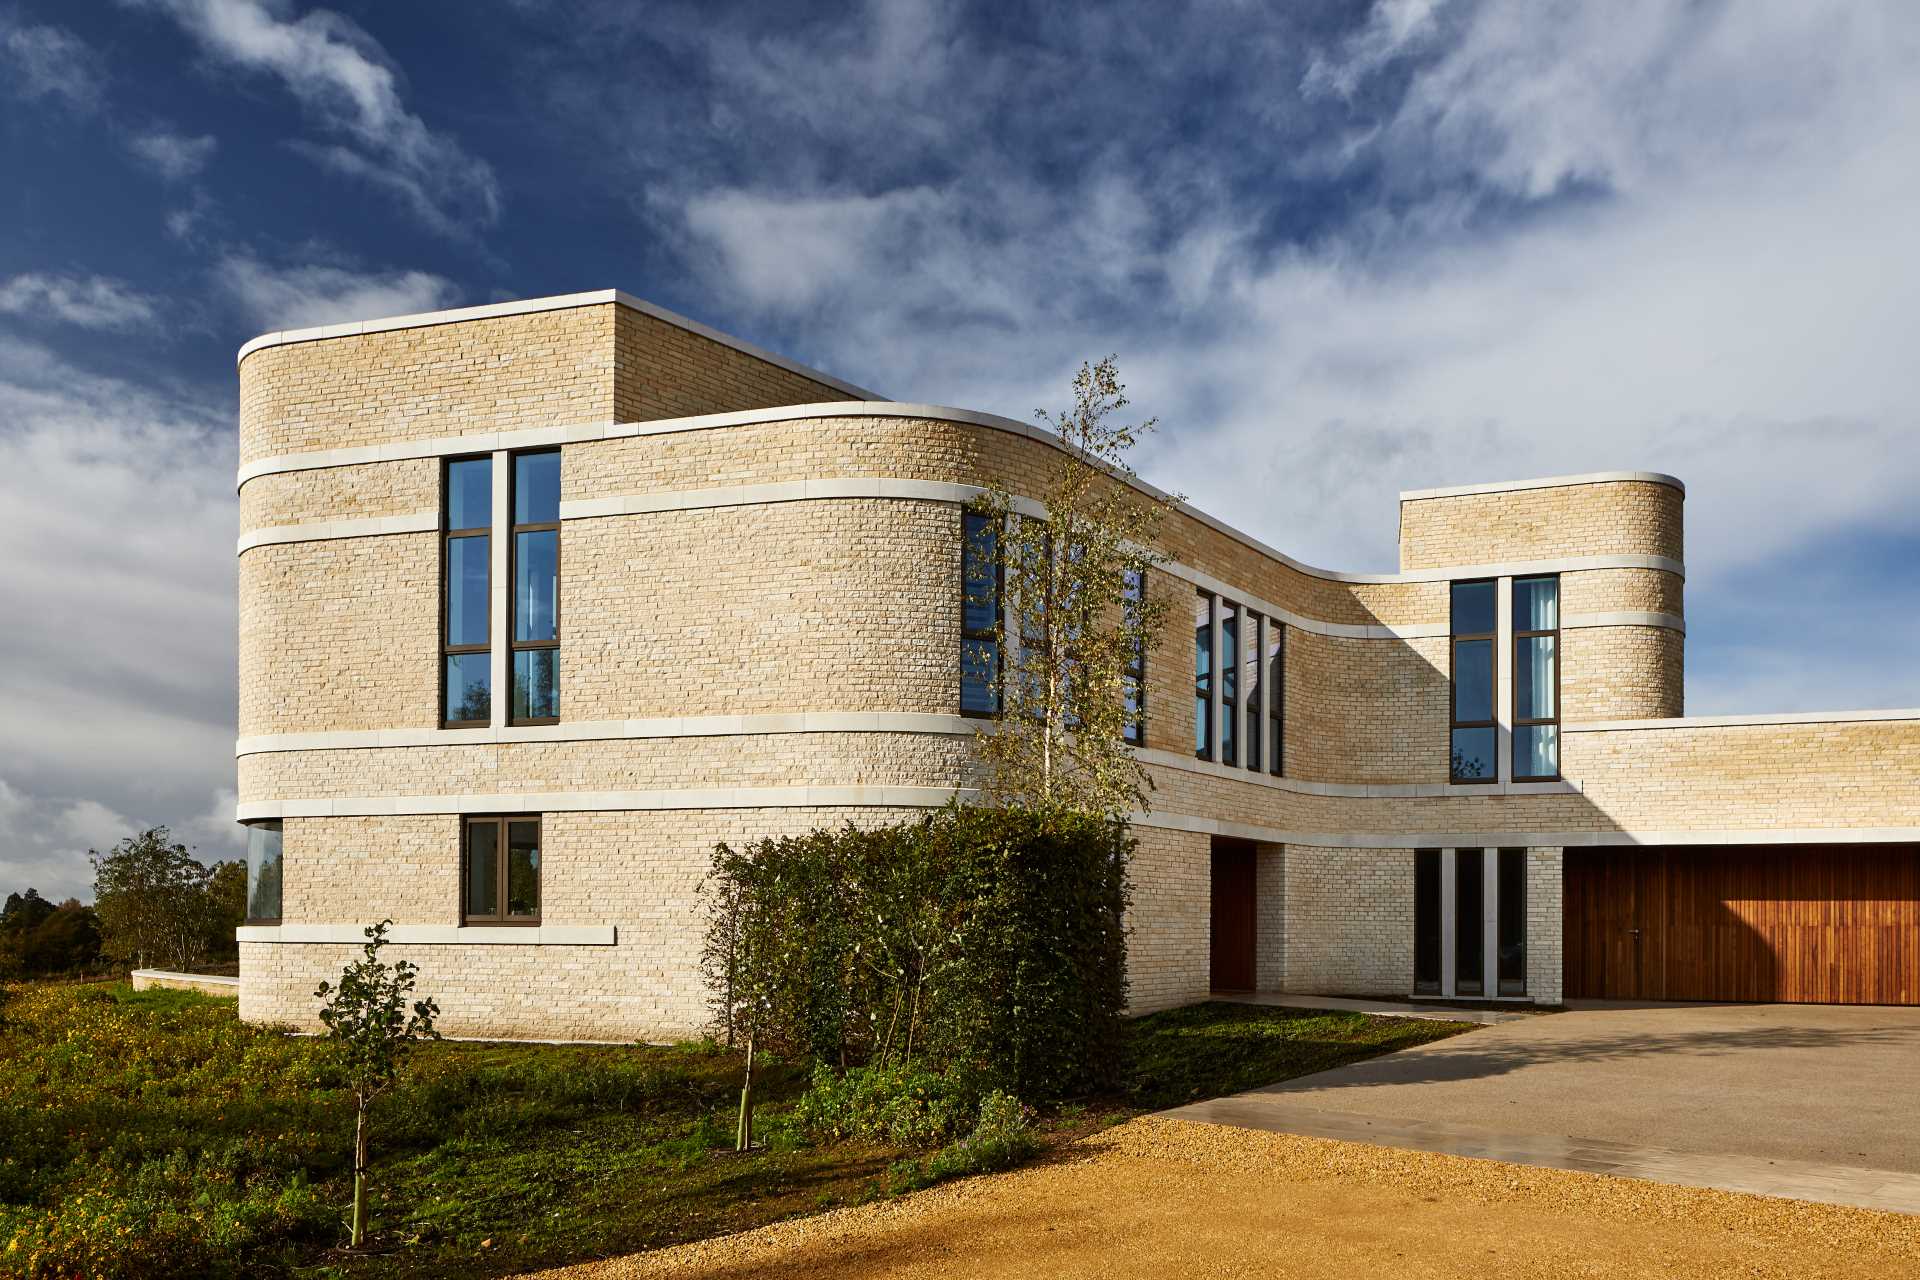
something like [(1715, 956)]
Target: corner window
[(1472, 747), (979, 615), (500, 875), (263, 872), (1133, 681), (466, 620), (536, 587), (1536, 678), (1203, 677)]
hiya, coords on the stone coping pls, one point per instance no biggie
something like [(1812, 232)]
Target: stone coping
[(161, 979), (1545, 482), (543, 935)]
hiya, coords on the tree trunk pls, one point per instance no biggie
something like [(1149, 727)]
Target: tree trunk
[(359, 1171), (743, 1134)]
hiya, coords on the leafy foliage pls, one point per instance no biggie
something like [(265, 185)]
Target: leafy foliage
[(905, 1105), (158, 905), (988, 941), (38, 938), (1069, 629), (1002, 1137)]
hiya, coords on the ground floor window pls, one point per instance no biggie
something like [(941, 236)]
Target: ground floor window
[(1470, 922), (500, 881), (1426, 922), (263, 872)]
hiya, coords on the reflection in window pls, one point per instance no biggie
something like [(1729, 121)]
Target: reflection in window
[(466, 622), (1277, 696), (1133, 681), (1229, 680), (1203, 676), (979, 615), (536, 587), (501, 876), (263, 872), (1536, 678), (1472, 749), (1512, 909)]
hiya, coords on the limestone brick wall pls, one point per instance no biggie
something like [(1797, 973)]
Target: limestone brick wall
[(1545, 947), (1622, 673), (1610, 518), (1366, 710), (1611, 590), (664, 371), (1349, 921), (359, 492), (1167, 924), (1270, 907)]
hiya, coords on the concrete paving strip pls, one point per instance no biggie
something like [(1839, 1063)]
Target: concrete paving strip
[(1480, 1015), (1760, 1175)]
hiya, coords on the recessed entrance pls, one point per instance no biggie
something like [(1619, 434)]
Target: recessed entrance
[(1805, 924), (1234, 916)]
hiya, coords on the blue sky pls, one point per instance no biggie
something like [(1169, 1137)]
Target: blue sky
[(1340, 250)]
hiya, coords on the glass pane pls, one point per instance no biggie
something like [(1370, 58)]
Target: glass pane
[(1426, 920), (979, 676), (467, 590), (523, 869), (263, 871), (1253, 731), (469, 686), (1202, 643), (1135, 719), (1533, 675), (1536, 751), (1229, 653), (536, 585), (1226, 735), (1513, 922), (1469, 959), (980, 599), (1473, 680), (1472, 608), (470, 494), (536, 684), (1472, 754), (483, 869), (1277, 765), (1202, 727), (1536, 604), (536, 488)]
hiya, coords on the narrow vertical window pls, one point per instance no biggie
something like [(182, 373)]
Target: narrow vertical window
[(467, 582), (1255, 687), (1469, 923), (979, 615), (1277, 697), (1229, 680), (1426, 921), (1513, 922), (1133, 681), (1203, 677), (1536, 678), (263, 872), (536, 587), (501, 877), (1472, 748)]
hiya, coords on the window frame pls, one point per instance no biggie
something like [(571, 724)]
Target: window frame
[(279, 825), (502, 822), (516, 646), (1276, 672), (1202, 686), (1454, 640), (1514, 657), (991, 635), (1133, 597), (447, 537)]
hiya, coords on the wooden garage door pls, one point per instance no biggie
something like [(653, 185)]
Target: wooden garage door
[(1820, 924)]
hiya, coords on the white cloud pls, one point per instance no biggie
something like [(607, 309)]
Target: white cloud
[(94, 825), (345, 80), (92, 302), (173, 156), (41, 63), (295, 297)]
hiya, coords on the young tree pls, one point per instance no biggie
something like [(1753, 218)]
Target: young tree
[(1076, 616), (368, 1015), (151, 898)]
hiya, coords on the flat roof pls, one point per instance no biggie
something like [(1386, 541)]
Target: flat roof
[(1544, 482)]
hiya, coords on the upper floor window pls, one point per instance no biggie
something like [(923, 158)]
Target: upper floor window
[(263, 872), (1276, 680), (1473, 739), (500, 876), (1536, 678), (1229, 681), (979, 615), (1203, 676), (467, 583), (536, 587), (1133, 681)]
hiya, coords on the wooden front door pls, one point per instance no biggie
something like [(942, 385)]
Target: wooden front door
[(1234, 917), (1614, 937)]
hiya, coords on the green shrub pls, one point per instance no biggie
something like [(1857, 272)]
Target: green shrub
[(987, 940), (1002, 1137), (904, 1105)]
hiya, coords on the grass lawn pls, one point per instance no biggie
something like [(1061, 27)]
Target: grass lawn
[(153, 1134)]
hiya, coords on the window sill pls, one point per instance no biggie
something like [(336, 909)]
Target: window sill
[(544, 935)]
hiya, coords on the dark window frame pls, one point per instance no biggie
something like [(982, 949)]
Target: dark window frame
[(516, 646), (1133, 596), (1275, 670), (1429, 938), (447, 537), (1202, 691), (1230, 699), (502, 822), (1510, 913), (1554, 719), (1454, 640), (1253, 659), (975, 636)]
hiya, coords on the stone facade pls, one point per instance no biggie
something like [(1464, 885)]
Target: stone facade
[(759, 601)]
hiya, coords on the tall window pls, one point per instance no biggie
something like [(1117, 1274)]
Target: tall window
[(1229, 679), (1203, 677), (1472, 749), (1252, 683), (1277, 695), (536, 587), (263, 872), (500, 881), (1133, 681), (1469, 922), (979, 615), (1512, 909), (1536, 678), (1428, 938), (467, 618)]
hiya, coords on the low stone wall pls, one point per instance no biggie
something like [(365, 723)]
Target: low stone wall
[(205, 983)]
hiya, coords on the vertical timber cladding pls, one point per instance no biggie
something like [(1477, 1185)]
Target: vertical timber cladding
[(1806, 924)]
